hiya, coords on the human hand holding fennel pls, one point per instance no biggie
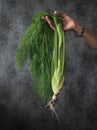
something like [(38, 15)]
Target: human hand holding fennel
[(71, 24), (68, 22)]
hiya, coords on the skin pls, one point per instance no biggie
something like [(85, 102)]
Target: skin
[(71, 24)]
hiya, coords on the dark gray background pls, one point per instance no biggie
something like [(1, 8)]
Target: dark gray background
[(20, 108)]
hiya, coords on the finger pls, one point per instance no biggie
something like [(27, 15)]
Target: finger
[(58, 13), (62, 15), (44, 18), (49, 22)]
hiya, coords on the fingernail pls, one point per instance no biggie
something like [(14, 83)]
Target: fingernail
[(42, 17), (55, 12), (46, 17)]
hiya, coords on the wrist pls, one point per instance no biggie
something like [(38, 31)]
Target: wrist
[(79, 28), (76, 27)]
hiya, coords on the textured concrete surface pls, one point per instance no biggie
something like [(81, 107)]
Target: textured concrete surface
[(20, 108)]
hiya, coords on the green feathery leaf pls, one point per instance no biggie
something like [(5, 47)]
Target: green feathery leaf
[(37, 45)]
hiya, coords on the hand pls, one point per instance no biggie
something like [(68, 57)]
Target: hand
[(68, 22)]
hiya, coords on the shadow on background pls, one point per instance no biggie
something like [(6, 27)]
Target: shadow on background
[(17, 120)]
